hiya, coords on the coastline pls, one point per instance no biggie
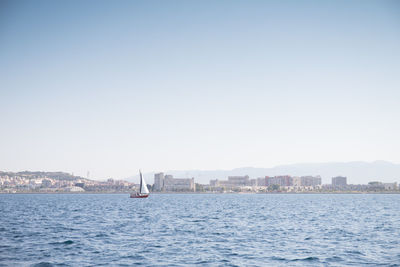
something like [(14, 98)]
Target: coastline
[(202, 193)]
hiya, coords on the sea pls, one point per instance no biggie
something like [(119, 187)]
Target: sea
[(200, 229)]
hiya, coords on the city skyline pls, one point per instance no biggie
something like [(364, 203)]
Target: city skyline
[(61, 182), (197, 85), (358, 172)]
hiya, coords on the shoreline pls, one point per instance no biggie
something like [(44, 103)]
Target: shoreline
[(202, 193)]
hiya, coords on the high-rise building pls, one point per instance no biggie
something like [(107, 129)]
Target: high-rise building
[(158, 181), (339, 181)]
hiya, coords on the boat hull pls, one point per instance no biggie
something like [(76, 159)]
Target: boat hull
[(138, 196)]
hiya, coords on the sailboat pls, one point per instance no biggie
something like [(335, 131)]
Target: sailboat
[(143, 190)]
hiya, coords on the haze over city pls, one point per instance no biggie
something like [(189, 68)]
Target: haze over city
[(197, 85)]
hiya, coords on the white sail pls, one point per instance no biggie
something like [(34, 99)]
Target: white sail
[(143, 189)]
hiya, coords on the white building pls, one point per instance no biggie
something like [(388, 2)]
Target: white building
[(390, 186), (178, 184)]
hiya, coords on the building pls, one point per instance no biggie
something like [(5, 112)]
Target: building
[(178, 184), (376, 186), (46, 183), (390, 186), (158, 181), (339, 181), (261, 181), (296, 181), (234, 182), (214, 183), (239, 180), (74, 189), (310, 180), (279, 180), (169, 183), (81, 185)]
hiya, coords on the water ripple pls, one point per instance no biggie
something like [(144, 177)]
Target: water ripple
[(205, 230)]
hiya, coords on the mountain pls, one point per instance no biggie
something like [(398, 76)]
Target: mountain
[(357, 172)]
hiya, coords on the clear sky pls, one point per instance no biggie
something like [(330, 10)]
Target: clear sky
[(113, 86)]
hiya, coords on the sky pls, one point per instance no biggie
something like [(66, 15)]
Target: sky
[(111, 87)]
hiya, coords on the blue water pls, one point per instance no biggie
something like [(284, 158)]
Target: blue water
[(210, 230)]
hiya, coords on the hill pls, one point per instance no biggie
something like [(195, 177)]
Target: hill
[(40, 174)]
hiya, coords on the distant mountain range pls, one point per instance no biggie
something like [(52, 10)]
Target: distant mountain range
[(357, 172)]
